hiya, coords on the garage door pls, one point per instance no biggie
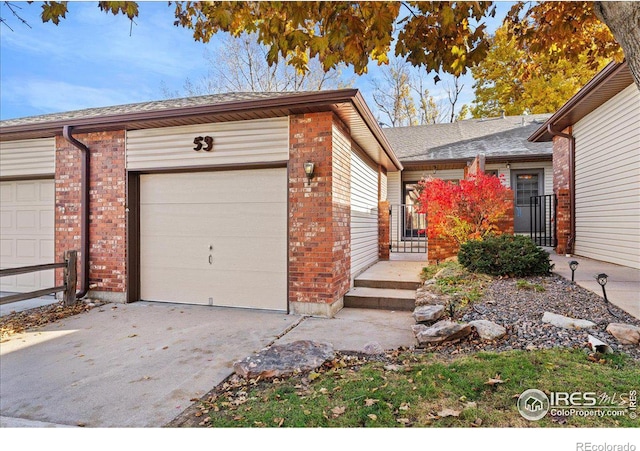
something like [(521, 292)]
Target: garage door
[(215, 238), (26, 232)]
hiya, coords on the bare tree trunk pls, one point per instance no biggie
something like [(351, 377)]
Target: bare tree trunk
[(623, 19)]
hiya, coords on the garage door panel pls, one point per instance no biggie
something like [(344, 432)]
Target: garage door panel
[(240, 220), (226, 187), (247, 263), (27, 228), (218, 291)]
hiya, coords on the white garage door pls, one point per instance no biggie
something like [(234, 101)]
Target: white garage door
[(26, 232), (215, 238)]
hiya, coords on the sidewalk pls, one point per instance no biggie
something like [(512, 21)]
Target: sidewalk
[(623, 285)]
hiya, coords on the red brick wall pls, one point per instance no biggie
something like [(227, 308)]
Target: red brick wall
[(561, 179), (383, 230), (319, 218), (107, 197)]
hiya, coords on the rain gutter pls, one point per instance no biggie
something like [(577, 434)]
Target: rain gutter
[(84, 211)]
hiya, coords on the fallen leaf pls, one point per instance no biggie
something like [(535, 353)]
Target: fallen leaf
[(495, 380), (338, 410), (369, 402), (132, 335), (403, 420), (373, 416), (448, 413), (313, 375)]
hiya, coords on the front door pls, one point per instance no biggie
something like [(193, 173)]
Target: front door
[(525, 184)]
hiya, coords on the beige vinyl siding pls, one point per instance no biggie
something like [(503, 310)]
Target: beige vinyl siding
[(546, 166), (26, 232), (27, 157), (212, 238), (254, 141), (364, 215), (608, 181), (444, 174), (383, 186), (394, 188)]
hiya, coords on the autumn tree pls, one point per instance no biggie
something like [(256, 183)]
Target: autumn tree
[(401, 96), (515, 81), (469, 210), (439, 36)]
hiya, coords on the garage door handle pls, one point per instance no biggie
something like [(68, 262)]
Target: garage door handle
[(211, 259)]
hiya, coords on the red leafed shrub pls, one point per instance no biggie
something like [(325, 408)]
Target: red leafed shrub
[(466, 211)]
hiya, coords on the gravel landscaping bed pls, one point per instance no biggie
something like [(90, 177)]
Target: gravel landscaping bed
[(520, 311)]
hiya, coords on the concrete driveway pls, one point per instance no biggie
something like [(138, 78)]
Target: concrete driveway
[(139, 365)]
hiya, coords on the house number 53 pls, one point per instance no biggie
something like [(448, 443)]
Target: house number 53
[(208, 143)]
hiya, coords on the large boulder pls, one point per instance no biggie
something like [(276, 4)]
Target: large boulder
[(626, 334), (427, 313), (284, 360), (566, 322), (488, 330), (440, 332)]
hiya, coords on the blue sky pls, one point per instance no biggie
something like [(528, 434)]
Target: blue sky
[(91, 60)]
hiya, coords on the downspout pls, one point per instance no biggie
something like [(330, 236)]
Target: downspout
[(84, 212), (572, 189)]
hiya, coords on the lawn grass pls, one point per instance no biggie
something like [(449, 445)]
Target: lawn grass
[(424, 390)]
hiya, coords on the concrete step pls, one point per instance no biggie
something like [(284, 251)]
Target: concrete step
[(380, 298), (401, 275), (388, 284)]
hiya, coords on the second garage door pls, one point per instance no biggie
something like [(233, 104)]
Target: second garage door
[(215, 238), (26, 232)]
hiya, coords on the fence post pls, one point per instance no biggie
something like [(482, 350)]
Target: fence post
[(70, 277)]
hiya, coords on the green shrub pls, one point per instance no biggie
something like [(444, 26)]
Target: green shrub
[(505, 255)]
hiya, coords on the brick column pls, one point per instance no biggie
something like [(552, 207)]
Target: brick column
[(561, 180), (319, 217), (383, 230), (107, 216)]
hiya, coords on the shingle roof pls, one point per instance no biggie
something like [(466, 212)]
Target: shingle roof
[(158, 105), (494, 137)]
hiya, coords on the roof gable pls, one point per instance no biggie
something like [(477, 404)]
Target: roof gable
[(463, 140)]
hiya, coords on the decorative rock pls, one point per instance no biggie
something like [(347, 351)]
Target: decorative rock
[(440, 332), (566, 322), (626, 334), (426, 297), (488, 330), (287, 359), (428, 282), (426, 313), (373, 348), (598, 345)]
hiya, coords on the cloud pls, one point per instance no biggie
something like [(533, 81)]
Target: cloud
[(42, 96)]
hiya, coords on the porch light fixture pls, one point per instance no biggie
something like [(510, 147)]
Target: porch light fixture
[(602, 280), (508, 165), (308, 170), (573, 265)]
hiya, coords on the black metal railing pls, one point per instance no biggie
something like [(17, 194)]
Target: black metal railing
[(70, 280), (408, 229), (543, 220)]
